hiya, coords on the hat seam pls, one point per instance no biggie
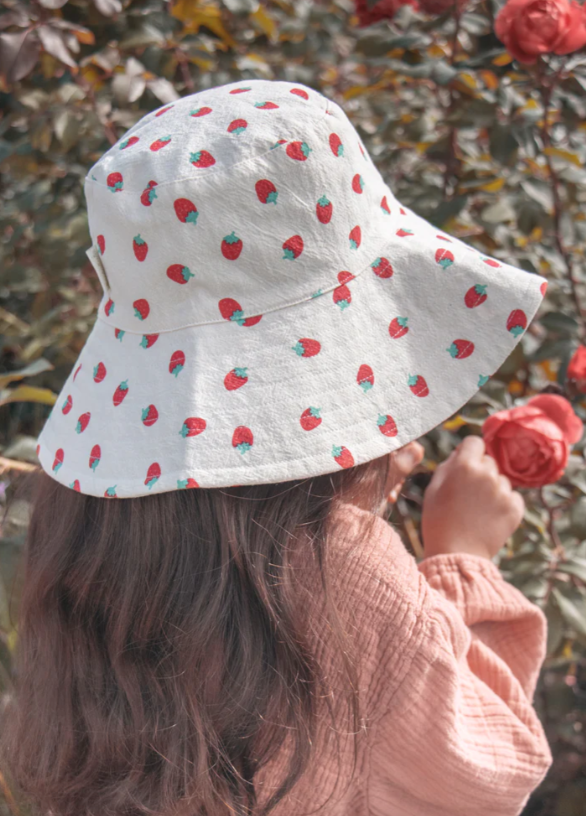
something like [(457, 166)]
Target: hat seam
[(208, 171)]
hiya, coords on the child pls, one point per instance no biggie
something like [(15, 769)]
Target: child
[(216, 619)]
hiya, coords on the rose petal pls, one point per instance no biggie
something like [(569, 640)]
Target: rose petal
[(560, 410)]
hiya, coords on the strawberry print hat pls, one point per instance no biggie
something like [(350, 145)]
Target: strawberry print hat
[(270, 311)]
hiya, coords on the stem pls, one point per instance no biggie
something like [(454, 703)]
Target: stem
[(546, 89)]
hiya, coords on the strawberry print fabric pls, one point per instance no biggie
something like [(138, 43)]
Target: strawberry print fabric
[(270, 310)]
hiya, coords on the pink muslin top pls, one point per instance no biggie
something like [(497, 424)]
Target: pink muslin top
[(449, 656)]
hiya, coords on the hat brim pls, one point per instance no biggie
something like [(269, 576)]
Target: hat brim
[(293, 414)]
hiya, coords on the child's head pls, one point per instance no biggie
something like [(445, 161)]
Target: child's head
[(274, 325)]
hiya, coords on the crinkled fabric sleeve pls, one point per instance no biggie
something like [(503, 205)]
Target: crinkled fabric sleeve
[(460, 735)]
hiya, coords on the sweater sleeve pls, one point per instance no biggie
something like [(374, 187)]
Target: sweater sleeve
[(460, 735)]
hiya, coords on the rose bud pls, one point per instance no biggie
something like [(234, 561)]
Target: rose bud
[(576, 372), (531, 443)]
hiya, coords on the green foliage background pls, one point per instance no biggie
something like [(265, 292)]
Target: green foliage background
[(488, 150)]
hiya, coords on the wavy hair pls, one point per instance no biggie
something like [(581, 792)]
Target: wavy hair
[(162, 656)]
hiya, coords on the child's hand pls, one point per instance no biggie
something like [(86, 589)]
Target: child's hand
[(468, 505), (405, 460)]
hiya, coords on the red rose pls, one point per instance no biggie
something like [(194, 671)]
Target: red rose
[(372, 12), (577, 369), (529, 28), (531, 443)]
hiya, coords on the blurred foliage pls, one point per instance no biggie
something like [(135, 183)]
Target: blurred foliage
[(486, 149)]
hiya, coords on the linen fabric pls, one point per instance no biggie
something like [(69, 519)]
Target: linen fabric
[(450, 654), (270, 311)]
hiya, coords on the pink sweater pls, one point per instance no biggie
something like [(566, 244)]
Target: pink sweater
[(449, 659)]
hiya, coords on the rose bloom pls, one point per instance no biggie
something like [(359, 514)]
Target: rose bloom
[(528, 28), (576, 372), (371, 12), (531, 443)]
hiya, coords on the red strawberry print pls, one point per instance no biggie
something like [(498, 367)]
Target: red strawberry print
[(132, 140), (341, 294), (336, 145), (176, 362), (299, 92), (386, 425), (385, 206), (461, 349), (310, 419), (235, 379), (444, 258), (140, 247), (418, 385), (75, 485), (517, 322), (242, 438), (58, 461), (202, 159), (200, 112), (237, 126), (186, 483), (382, 267), (543, 288), (153, 473), (119, 333), (265, 105), (230, 309), (323, 210), (266, 191), (109, 307), (239, 90), (115, 182), (193, 426), (77, 370), (231, 246), (402, 211), (159, 143), (475, 296), (83, 422), (141, 308), (99, 372), (179, 273), (67, 405), (110, 492), (355, 237), (307, 347), (279, 143), (343, 456), (148, 195), (293, 247), (149, 415), (298, 150), (120, 392), (358, 183), (148, 340), (95, 456), (491, 262), (398, 327), (101, 244), (444, 238), (185, 210), (404, 233), (164, 110), (365, 377)]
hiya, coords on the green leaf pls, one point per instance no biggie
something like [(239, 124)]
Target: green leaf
[(555, 626), (560, 322), (574, 614), (576, 567)]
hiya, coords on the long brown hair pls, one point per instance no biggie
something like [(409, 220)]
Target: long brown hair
[(161, 653)]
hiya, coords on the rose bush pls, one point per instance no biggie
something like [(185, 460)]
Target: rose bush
[(528, 28), (369, 12), (531, 443), (576, 372)]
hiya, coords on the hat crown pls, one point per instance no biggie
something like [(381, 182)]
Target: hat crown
[(230, 203)]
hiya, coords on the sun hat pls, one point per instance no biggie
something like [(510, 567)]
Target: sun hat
[(270, 311)]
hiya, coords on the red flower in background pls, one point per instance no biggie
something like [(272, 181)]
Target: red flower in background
[(529, 28), (531, 443), (576, 372), (370, 11)]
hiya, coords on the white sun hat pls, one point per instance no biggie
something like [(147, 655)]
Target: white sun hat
[(270, 310)]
